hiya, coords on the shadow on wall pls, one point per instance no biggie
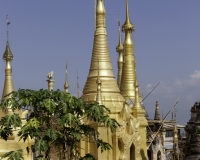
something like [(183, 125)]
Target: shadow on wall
[(143, 155)]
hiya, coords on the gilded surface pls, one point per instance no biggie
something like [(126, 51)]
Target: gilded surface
[(102, 86), (128, 136), (119, 49), (50, 81), (128, 78), (99, 98), (8, 83), (139, 113), (129, 141), (13, 142), (110, 93)]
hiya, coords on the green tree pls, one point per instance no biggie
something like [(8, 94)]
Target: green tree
[(56, 120)]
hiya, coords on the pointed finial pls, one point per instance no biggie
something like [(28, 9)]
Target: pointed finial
[(78, 92), (50, 80), (119, 48), (137, 96), (127, 25), (100, 9), (7, 22), (66, 85), (99, 98), (7, 56), (157, 112), (95, 5)]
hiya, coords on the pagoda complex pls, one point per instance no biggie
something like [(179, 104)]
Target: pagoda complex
[(122, 97)]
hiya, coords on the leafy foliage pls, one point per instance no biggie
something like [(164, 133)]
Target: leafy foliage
[(56, 121), (13, 155)]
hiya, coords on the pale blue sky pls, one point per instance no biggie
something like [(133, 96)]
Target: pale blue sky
[(43, 34)]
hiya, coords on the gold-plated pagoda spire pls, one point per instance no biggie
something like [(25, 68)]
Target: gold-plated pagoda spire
[(137, 104), (127, 25), (119, 49), (8, 57), (139, 113), (101, 57), (99, 98), (66, 85), (128, 72)]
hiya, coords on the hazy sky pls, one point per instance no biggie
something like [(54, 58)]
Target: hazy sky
[(44, 33)]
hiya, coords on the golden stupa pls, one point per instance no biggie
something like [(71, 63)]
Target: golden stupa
[(128, 71), (13, 142), (129, 141)]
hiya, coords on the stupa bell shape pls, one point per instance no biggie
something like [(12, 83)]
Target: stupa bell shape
[(110, 93)]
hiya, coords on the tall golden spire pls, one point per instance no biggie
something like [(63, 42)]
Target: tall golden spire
[(139, 113), (137, 104), (128, 25), (101, 57), (66, 85), (128, 72), (8, 57), (119, 49), (99, 98)]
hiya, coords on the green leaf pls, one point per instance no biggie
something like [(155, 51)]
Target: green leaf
[(41, 146), (95, 111), (4, 104), (12, 120), (33, 123), (69, 119), (109, 122), (14, 155), (103, 145), (49, 104), (51, 134), (6, 132)]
